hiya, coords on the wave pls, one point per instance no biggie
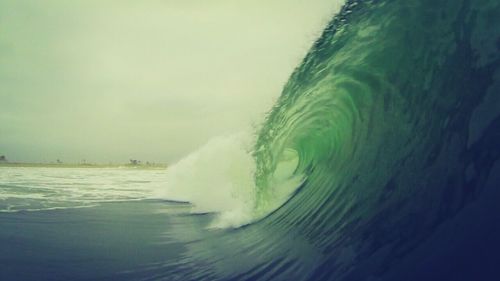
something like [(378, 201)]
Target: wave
[(220, 178), (386, 131)]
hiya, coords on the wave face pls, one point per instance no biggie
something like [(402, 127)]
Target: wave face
[(390, 128)]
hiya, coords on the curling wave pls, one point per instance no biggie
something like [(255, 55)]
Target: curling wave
[(386, 131)]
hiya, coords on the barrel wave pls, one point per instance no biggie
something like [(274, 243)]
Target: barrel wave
[(380, 159)]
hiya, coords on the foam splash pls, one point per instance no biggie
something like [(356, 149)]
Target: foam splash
[(217, 178)]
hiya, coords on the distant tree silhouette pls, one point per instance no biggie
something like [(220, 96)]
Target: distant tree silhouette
[(134, 162), (3, 158)]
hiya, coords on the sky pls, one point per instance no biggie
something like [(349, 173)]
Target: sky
[(108, 81)]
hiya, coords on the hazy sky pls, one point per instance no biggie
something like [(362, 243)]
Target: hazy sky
[(153, 80)]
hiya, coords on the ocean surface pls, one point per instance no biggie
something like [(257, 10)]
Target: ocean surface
[(39, 189), (83, 224), (379, 161)]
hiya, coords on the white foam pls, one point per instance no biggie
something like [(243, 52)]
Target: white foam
[(33, 189), (218, 178)]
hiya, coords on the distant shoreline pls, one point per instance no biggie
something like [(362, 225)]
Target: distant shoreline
[(85, 166)]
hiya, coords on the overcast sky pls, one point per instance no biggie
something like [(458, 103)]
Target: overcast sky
[(108, 81)]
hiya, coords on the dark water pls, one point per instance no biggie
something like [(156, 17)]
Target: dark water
[(108, 242), (394, 117)]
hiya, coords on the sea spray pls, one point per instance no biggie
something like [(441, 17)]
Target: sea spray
[(216, 178), (219, 178)]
